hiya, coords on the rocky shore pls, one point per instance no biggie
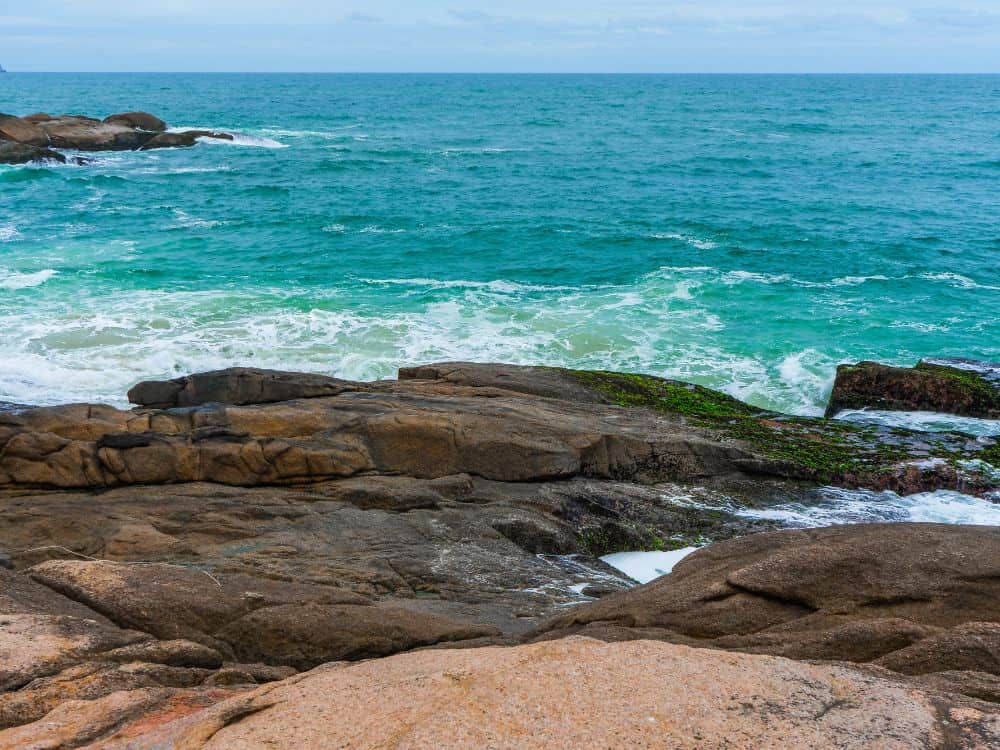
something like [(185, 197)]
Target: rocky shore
[(173, 572), (41, 138)]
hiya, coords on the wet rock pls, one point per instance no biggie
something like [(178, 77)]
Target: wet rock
[(183, 139), (19, 153), (952, 386), (557, 695)]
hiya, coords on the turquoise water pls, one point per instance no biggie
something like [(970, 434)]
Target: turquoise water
[(744, 232)]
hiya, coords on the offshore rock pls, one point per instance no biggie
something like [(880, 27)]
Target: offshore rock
[(953, 386), (127, 131), (20, 153), (138, 120), (22, 131)]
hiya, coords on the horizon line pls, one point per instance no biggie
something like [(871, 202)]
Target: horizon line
[(507, 73)]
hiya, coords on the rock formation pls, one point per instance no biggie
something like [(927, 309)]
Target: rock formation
[(952, 386), (128, 131), (241, 526), (576, 693), (915, 598)]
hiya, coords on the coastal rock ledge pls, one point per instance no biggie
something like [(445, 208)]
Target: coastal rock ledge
[(41, 137), (252, 558)]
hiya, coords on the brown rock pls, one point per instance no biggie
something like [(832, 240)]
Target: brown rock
[(87, 134), (973, 646), (914, 597), (139, 120), (183, 139), (960, 387), (171, 601), (305, 636), (237, 385), (22, 131), (579, 693), (19, 153)]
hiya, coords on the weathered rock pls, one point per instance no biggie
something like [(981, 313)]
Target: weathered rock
[(951, 386), (87, 134), (238, 385), (116, 717), (305, 636), (915, 598), (667, 431), (19, 153), (567, 694), (139, 120), (183, 139), (22, 131)]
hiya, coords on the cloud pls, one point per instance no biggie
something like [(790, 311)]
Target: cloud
[(469, 35)]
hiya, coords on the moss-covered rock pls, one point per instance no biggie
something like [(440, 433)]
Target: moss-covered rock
[(971, 389), (817, 449)]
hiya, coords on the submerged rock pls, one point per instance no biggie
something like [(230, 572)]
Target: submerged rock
[(576, 693), (951, 386)]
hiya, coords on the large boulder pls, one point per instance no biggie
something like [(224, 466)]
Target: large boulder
[(87, 134), (576, 693), (22, 131), (138, 120), (915, 598), (952, 386), (183, 139), (237, 385), (20, 153)]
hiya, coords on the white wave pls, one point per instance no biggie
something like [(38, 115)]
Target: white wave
[(498, 285), (957, 280), (808, 375), (926, 421), (239, 139), (185, 219), (375, 229), (15, 280), (840, 506), (8, 232), (692, 241), (335, 228), (244, 139), (647, 566)]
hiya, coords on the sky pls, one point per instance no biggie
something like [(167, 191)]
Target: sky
[(852, 36)]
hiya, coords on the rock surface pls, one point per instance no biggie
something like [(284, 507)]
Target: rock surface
[(22, 131), (19, 153), (914, 598), (138, 120), (241, 525), (127, 131), (577, 693), (952, 386)]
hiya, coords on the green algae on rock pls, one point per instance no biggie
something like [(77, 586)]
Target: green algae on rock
[(950, 386)]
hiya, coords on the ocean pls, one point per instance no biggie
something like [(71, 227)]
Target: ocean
[(743, 232)]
